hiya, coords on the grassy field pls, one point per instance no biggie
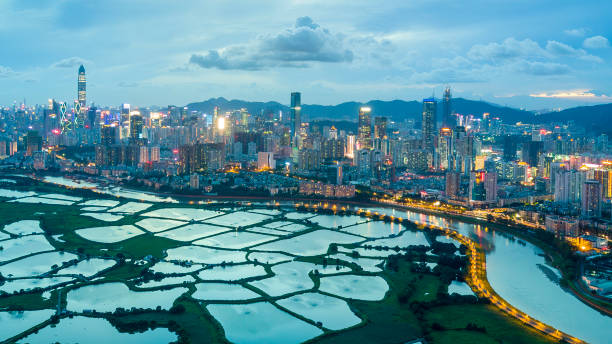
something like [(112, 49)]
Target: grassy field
[(499, 328)]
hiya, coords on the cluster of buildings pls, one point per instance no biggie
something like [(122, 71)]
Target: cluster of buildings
[(470, 160)]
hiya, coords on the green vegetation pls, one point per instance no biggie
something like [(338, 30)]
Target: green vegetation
[(416, 306), (452, 326)]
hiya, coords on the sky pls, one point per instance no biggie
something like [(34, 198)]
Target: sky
[(526, 54)]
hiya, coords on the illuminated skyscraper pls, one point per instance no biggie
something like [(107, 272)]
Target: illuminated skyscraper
[(108, 135), (349, 148), (81, 86), (380, 127), (429, 123), (80, 103), (364, 128), (296, 110), (125, 115), (136, 124), (447, 120)]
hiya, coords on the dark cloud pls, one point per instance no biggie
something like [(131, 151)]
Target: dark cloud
[(295, 47), (70, 62)]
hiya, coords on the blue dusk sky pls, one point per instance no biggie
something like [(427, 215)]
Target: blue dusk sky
[(528, 54)]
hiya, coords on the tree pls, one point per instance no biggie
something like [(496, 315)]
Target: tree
[(177, 309)]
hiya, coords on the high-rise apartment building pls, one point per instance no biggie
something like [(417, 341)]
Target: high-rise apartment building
[(591, 198), (453, 180)]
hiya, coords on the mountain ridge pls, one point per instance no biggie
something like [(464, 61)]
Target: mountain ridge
[(593, 118)]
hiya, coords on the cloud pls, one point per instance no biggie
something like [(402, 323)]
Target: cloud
[(596, 42), (295, 47), (70, 62), (562, 49), (542, 68), (581, 94), (495, 60), (127, 84), (578, 32), (6, 72), (509, 49), (456, 70)]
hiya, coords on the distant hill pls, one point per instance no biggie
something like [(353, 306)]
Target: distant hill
[(398, 110), (595, 118), (208, 106)]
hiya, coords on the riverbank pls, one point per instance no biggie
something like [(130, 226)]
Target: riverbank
[(562, 263)]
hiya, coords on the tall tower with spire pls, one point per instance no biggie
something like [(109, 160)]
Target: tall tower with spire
[(81, 87), (81, 98), (447, 116)]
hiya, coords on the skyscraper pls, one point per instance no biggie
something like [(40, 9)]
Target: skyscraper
[(604, 176), (108, 135), (79, 106), (364, 128), (380, 127), (136, 124), (81, 87), (591, 198), (296, 109), (429, 123), (447, 119)]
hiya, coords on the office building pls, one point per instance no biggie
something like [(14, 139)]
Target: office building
[(136, 125), (380, 127), (81, 103), (349, 148), (108, 135), (364, 128), (447, 112), (429, 124), (296, 114)]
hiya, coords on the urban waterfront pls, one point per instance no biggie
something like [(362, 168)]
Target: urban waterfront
[(421, 172)]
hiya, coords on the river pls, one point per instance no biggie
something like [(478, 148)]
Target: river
[(519, 274)]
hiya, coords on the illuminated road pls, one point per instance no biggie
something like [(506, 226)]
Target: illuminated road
[(477, 279)]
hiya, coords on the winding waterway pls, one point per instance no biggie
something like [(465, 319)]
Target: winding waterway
[(514, 270)]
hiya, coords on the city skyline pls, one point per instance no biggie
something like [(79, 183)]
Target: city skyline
[(176, 59), (305, 171)]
